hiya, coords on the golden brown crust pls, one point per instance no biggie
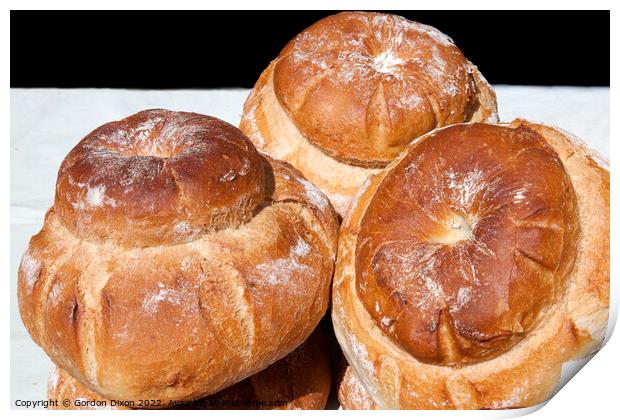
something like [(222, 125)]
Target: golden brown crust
[(331, 105), (467, 242), (183, 320), (361, 85), (300, 381), (145, 175), (525, 374)]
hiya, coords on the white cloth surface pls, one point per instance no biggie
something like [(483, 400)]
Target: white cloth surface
[(47, 123)]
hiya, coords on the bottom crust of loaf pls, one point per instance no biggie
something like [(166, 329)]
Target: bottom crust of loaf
[(300, 381)]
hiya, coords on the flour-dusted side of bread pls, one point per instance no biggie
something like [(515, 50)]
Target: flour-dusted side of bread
[(300, 381), (351, 393), (348, 94), (176, 260), (470, 287)]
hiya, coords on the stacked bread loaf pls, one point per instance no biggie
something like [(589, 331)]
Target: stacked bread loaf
[(178, 261), (185, 265), (348, 94), (472, 268)]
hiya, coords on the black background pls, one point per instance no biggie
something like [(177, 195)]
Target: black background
[(210, 49)]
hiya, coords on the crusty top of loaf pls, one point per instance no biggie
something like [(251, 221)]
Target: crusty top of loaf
[(467, 241), (360, 86), (159, 177)]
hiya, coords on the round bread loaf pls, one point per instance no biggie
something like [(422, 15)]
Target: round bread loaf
[(348, 94), (474, 267), (300, 381), (176, 260)]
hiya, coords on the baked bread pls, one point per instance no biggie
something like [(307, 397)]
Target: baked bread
[(300, 381), (351, 393), (348, 94), (473, 267), (176, 260)]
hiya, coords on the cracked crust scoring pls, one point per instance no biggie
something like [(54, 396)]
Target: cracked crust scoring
[(349, 93), (571, 326), (188, 318), (300, 381)]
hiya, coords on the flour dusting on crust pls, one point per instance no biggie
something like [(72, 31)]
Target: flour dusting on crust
[(399, 58), (31, 267), (316, 197), (150, 304), (280, 271)]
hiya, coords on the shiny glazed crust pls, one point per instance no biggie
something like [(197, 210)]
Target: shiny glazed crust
[(349, 93), (571, 325), (182, 319), (300, 381)]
